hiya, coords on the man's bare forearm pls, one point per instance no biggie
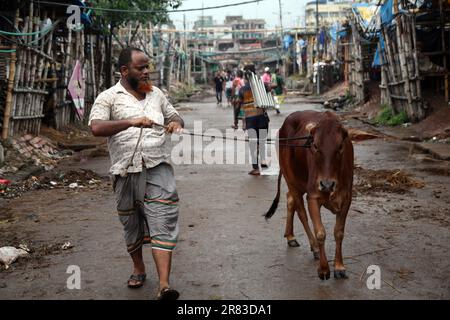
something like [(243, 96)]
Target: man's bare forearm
[(107, 128)]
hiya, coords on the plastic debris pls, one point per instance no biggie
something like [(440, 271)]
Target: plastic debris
[(24, 247), (66, 245), (73, 185), (10, 254)]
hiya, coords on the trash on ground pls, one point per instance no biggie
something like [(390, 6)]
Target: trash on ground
[(10, 254), (66, 245)]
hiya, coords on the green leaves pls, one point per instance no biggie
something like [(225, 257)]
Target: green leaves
[(123, 11)]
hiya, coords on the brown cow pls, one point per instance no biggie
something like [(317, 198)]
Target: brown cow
[(324, 171)]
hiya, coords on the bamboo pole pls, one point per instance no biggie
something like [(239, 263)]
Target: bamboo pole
[(411, 62), (9, 90), (35, 99), (392, 78), (150, 41), (416, 60), (18, 98), (385, 98), (39, 75), (92, 61), (66, 77), (48, 51), (171, 62), (403, 67), (26, 107), (444, 56)]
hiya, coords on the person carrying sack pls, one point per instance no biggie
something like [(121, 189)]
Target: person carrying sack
[(143, 180)]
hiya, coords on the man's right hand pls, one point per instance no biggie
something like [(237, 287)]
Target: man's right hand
[(142, 122)]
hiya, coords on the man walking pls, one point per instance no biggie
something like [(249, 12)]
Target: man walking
[(144, 182), (219, 83), (256, 122)]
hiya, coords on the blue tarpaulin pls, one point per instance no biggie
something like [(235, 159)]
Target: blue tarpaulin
[(334, 32), (342, 33), (386, 13), (287, 40), (376, 58)]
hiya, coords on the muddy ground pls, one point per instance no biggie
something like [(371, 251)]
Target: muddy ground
[(399, 220)]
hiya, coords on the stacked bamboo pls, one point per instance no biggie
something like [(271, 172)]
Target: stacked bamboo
[(401, 68), (40, 77), (356, 76), (30, 79)]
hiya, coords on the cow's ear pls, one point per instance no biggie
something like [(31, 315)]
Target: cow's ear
[(344, 133), (311, 128)]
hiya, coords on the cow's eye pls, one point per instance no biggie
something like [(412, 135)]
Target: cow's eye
[(315, 146)]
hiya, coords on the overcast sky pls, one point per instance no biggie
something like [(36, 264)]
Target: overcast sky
[(293, 10)]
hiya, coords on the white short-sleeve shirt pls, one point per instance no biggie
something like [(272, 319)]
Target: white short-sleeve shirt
[(117, 103)]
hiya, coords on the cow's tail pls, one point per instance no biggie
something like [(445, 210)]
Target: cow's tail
[(274, 205)]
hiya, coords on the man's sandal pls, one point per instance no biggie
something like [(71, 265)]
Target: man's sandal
[(139, 280), (168, 294)]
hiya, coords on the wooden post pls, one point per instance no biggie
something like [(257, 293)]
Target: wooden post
[(444, 50), (383, 86), (160, 55), (9, 93), (416, 60), (11, 81), (92, 61), (411, 53), (403, 68), (204, 74), (150, 41), (392, 75)]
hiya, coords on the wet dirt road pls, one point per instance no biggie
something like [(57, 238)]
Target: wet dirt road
[(226, 249)]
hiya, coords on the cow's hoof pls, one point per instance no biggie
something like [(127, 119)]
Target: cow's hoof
[(324, 275), (340, 274), (293, 243)]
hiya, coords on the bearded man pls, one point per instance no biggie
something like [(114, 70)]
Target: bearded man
[(130, 114)]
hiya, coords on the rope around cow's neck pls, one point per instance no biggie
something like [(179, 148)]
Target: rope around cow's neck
[(268, 140)]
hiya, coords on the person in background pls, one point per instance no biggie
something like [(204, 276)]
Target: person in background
[(238, 83), (256, 123), (267, 78), (279, 89), (219, 81), (228, 87)]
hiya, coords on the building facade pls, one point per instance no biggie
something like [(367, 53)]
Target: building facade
[(329, 12)]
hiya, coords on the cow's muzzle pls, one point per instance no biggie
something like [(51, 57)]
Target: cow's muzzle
[(327, 185)]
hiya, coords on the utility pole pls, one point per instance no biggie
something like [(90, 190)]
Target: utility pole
[(317, 51), (204, 75), (281, 39), (184, 46)]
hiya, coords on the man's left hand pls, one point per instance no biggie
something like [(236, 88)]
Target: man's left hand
[(174, 127)]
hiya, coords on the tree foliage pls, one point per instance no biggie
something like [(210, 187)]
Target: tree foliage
[(111, 20)]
